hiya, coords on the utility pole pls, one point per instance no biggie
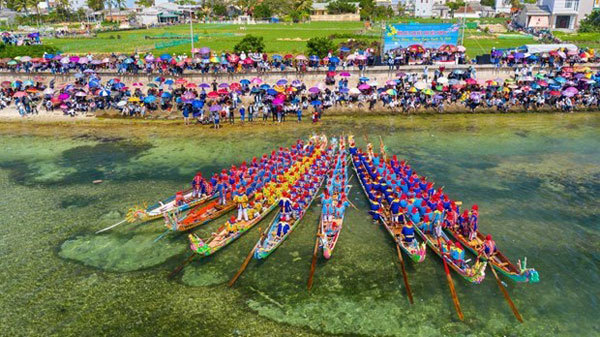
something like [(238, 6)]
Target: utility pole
[(464, 24), (191, 31)]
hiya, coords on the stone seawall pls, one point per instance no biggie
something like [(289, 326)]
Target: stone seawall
[(380, 74)]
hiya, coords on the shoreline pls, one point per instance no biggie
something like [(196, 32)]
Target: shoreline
[(114, 129), (10, 115)]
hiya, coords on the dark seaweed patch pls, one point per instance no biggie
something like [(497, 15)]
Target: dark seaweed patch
[(77, 201)]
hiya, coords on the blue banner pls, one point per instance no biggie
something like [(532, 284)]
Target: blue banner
[(429, 35)]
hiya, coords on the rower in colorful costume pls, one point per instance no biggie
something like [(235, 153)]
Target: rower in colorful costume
[(199, 188)]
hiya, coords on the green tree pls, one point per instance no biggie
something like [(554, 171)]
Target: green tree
[(591, 23), (366, 9), (319, 46), (340, 7), (219, 10), (262, 11), (302, 6), (144, 3), (250, 43), (96, 5), (490, 3), (454, 5)]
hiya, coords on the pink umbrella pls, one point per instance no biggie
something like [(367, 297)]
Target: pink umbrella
[(138, 84), (314, 90), (63, 97), (256, 80), (301, 57), (84, 60), (74, 58), (195, 50), (345, 74), (364, 86), (188, 95), (278, 101), (361, 57), (20, 94)]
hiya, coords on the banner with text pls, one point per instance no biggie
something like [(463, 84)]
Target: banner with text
[(429, 35)]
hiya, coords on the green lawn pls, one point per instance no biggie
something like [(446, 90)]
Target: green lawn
[(591, 40), (279, 38), (478, 43), (214, 36)]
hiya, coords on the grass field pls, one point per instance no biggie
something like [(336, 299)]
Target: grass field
[(591, 40), (279, 38)]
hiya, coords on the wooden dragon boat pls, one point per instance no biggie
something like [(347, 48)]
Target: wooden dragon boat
[(517, 273), (474, 273), (201, 214), (330, 229), (269, 240), (222, 238), (144, 214), (417, 251)]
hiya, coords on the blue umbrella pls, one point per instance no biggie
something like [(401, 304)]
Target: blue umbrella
[(169, 82), (265, 86), (165, 57), (49, 56), (158, 79), (334, 59), (128, 60), (277, 57), (560, 79), (104, 93), (198, 104), (554, 86), (150, 99), (255, 90), (314, 58), (94, 84), (344, 90), (344, 49), (282, 82), (165, 95), (364, 79), (272, 92), (224, 61), (245, 82), (316, 102), (119, 85)]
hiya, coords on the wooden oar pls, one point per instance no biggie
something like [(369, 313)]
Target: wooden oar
[(451, 284), (506, 296), (408, 290), (181, 266), (111, 226), (244, 264), (313, 263)]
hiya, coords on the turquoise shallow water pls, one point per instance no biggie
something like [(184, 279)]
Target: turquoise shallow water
[(535, 178)]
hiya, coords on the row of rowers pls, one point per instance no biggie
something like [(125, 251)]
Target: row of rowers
[(292, 191), (247, 179), (413, 200)]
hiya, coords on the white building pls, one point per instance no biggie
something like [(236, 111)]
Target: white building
[(503, 6), (423, 8), (566, 14)]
